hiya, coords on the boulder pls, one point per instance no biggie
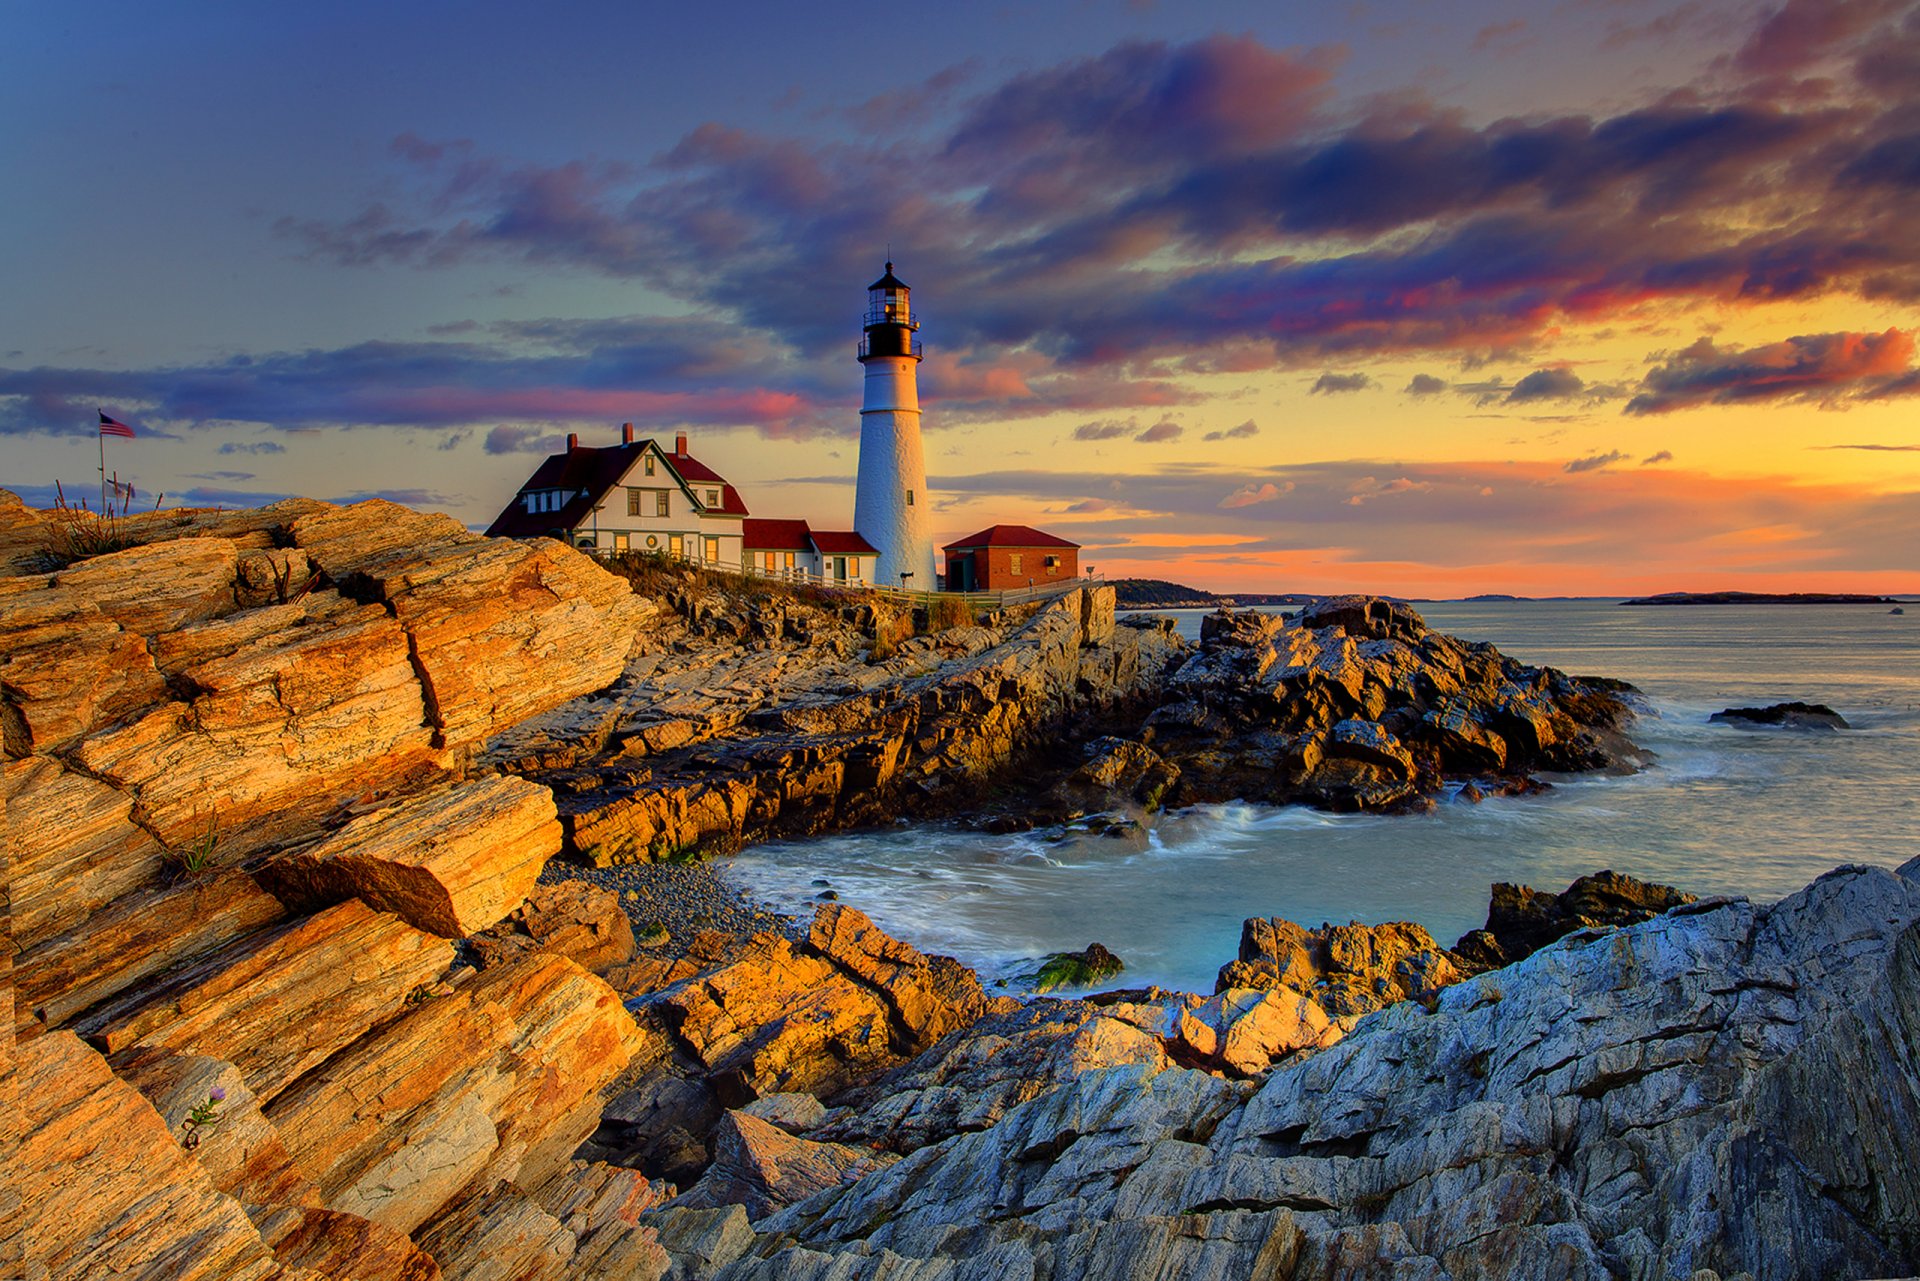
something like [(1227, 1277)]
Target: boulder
[(1118, 773), (1522, 920), (1364, 616), (579, 921), (760, 1166), (1348, 969), (1092, 964), (450, 862), (1244, 1032), (1789, 715)]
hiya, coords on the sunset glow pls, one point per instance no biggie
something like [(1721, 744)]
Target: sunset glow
[(1582, 298)]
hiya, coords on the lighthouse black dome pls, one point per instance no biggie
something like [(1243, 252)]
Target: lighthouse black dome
[(888, 281)]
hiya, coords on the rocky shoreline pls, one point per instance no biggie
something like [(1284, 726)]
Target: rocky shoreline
[(353, 934)]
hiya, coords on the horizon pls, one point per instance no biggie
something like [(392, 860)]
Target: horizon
[(1607, 300)]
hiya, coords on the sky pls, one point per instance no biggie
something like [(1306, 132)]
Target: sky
[(1582, 297)]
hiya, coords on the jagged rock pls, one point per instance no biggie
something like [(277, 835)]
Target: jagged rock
[(601, 1206), (580, 921), (701, 1242), (155, 588), (794, 1113), (1370, 617), (1790, 715), (497, 1080), (976, 1076), (1720, 1090), (816, 1016), (99, 1187), (1347, 969), (451, 862), (1521, 920), (1244, 1031), (1118, 772), (281, 1002), (66, 670), (760, 1166)]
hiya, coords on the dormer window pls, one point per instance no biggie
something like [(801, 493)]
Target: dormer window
[(649, 464), (713, 498)]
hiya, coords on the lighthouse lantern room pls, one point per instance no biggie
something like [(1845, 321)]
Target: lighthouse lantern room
[(890, 508)]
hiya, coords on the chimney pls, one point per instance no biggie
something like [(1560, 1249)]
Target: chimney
[(680, 444), (573, 441), (626, 433)]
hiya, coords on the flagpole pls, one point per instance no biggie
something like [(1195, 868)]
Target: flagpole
[(103, 474)]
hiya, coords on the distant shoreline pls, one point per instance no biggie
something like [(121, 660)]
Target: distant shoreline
[(1762, 598)]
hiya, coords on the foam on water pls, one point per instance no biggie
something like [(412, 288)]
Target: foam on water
[(1722, 810)]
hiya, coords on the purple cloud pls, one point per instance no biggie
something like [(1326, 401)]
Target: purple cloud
[(1240, 432), (1595, 462), (1161, 432), (1332, 384), (1829, 368), (1547, 384)]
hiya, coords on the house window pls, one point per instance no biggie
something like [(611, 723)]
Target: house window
[(649, 464), (1013, 562), (768, 561), (713, 498), (620, 543), (840, 568), (675, 548), (660, 502), (713, 550), (533, 503), (1053, 564), (789, 560), (633, 501)]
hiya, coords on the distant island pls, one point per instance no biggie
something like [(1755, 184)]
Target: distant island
[(1157, 593), (1761, 598)]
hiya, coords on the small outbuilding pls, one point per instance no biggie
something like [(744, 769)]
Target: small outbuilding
[(1001, 557)]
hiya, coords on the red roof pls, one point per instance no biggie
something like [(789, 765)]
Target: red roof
[(774, 535), (588, 473), (837, 542), (1008, 536)]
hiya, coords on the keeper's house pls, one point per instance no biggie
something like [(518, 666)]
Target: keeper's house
[(634, 496), (791, 549), (1007, 556)]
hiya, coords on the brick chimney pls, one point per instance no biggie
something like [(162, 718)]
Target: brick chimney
[(626, 433), (680, 444), (573, 441)]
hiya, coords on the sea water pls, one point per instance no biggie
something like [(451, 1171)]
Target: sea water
[(1723, 810)]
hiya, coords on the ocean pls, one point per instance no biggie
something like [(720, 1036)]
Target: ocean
[(1722, 811)]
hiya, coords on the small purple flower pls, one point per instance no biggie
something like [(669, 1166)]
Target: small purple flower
[(217, 1094)]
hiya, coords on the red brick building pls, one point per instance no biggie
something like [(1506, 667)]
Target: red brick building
[(1004, 556)]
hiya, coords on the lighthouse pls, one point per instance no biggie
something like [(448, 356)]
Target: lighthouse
[(890, 507)]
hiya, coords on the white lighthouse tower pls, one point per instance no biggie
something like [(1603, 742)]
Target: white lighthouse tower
[(890, 507)]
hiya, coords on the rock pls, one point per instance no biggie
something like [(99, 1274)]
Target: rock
[(701, 1242), (1364, 616), (794, 1113), (578, 921), (451, 862), (660, 1124), (1790, 715), (100, 1187), (1118, 773), (1720, 1090), (281, 1002), (501, 1235), (497, 1080), (817, 1016), (760, 1166), (1244, 1031), (1093, 964), (1521, 920), (66, 669), (1348, 969), (601, 1205), (331, 1244)]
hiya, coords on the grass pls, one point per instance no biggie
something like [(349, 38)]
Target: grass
[(195, 860)]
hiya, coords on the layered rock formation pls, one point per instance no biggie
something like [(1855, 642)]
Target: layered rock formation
[(1726, 1089)]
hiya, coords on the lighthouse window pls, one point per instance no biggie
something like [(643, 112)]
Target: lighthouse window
[(909, 498)]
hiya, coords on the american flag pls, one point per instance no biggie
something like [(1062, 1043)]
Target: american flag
[(114, 427)]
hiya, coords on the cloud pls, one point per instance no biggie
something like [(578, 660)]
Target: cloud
[(258, 447), (1240, 432), (1831, 369), (1161, 432), (1248, 495), (1425, 385), (1329, 384), (523, 440), (1595, 462), (220, 475), (1800, 32), (1101, 431), (1889, 449), (1547, 384), (1664, 456)]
